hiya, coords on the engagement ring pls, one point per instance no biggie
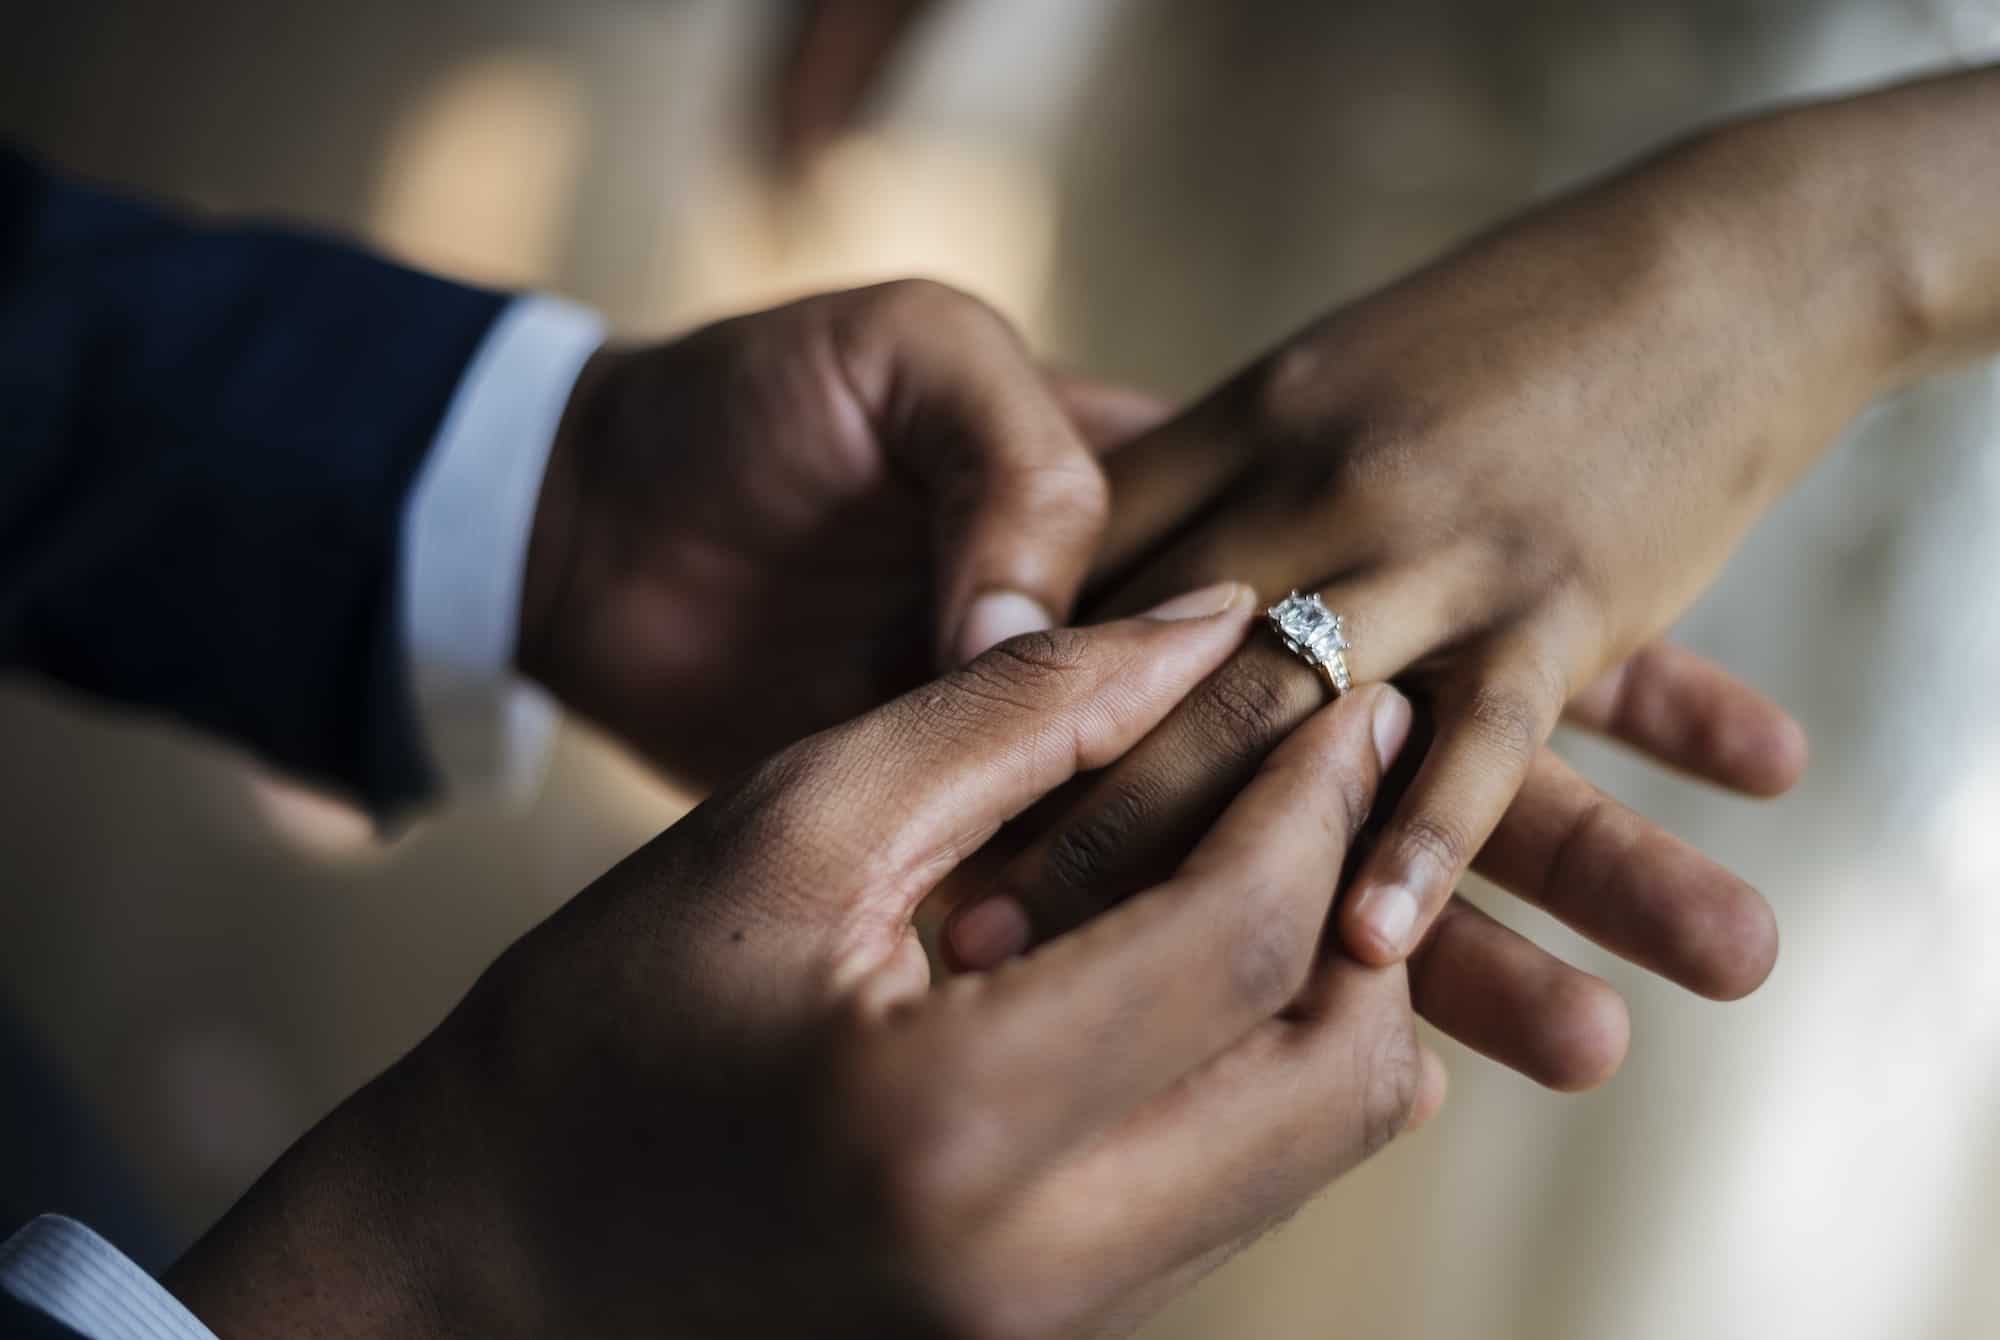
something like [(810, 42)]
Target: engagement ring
[(1315, 634)]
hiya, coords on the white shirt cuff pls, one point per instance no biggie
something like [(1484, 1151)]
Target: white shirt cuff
[(466, 528), (71, 1275)]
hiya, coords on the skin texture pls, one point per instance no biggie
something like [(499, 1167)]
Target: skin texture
[(715, 1095), (868, 470), (1509, 471), (868, 464)]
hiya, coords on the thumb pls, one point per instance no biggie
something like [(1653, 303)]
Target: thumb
[(1022, 508), (923, 781), (1017, 497)]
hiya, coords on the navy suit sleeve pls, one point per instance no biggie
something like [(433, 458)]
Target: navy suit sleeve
[(18, 1321), (206, 439)]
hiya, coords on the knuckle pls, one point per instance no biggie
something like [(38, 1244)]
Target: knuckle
[(1250, 704), (1085, 856), (951, 709), (1071, 488), (921, 294), (1269, 957), (793, 770), (931, 302), (1329, 433), (780, 805), (1577, 868), (1388, 1092), (1034, 665), (1507, 719), (1436, 840), (1293, 394), (1027, 672)]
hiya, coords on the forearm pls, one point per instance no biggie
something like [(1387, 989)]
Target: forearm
[(1932, 151), (1784, 270), (361, 1229), (1878, 210)]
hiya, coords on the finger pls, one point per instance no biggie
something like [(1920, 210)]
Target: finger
[(1099, 1021), (1507, 998), (1164, 480), (1132, 826), (1689, 713), (1612, 875), (1488, 730), (1443, 586), (838, 51), (1107, 414), (1433, 1083), (907, 791), (1126, 1313), (1016, 496), (1243, 1142), (1607, 872)]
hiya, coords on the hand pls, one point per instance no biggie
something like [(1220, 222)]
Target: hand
[(1509, 471), (1513, 468), (715, 1096), (783, 520), (1563, 845)]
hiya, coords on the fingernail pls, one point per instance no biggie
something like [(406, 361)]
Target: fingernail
[(997, 616), (1389, 913), (1201, 604), (989, 932), (1391, 725)]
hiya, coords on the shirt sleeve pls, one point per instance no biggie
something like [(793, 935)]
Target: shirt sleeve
[(466, 528), (59, 1268)]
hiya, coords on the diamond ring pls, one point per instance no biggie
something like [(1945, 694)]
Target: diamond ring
[(1315, 634)]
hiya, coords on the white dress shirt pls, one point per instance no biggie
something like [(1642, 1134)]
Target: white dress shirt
[(466, 527)]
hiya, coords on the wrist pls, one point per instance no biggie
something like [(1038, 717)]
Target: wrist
[(549, 578), (363, 1229), (1883, 201), (1759, 221)]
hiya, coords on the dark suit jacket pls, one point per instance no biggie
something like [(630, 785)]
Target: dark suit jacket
[(206, 436)]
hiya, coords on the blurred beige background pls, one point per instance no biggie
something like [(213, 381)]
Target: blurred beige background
[(1153, 188)]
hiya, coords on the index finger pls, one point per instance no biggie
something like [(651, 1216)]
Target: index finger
[(902, 794), (1101, 1020), (1162, 481)]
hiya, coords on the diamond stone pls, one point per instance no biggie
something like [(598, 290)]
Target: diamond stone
[(1309, 628)]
